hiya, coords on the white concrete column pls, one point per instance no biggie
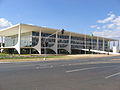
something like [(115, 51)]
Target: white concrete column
[(109, 46), (115, 49), (55, 46), (38, 46), (103, 44), (18, 45), (40, 42), (113, 43), (69, 46), (1, 43), (92, 44), (118, 46), (56, 43)]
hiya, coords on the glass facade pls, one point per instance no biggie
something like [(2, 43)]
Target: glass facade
[(26, 39), (35, 38), (31, 39), (11, 40)]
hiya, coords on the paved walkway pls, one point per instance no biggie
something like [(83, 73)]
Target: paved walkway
[(64, 57)]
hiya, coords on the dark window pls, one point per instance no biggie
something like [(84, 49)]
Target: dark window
[(35, 41), (35, 33)]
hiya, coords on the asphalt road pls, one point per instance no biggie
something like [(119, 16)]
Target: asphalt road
[(83, 74)]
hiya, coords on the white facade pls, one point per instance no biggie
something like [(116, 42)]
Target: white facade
[(22, 36)]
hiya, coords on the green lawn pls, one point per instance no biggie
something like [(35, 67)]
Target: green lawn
[(24, 56)]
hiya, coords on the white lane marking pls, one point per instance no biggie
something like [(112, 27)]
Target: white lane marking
[(51, 66), (80, 69), (62, 65), (112, 75), (76, 70), (39, 67)]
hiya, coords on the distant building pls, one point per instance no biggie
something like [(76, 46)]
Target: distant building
[(23, 38)]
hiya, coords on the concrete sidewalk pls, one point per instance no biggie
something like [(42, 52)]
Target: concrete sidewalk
[(63, 57)]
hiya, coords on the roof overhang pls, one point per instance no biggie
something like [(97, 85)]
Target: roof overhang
[(13, 30)]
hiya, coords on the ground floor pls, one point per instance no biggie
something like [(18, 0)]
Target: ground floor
[(45, 51)]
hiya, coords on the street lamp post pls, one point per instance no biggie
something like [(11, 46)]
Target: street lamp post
[(46, 43)]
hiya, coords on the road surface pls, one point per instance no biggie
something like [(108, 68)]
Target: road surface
[(84, 74)]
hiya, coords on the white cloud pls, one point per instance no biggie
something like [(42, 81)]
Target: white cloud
[(4, 23), (108, 19), (116, 21), (95, 26), (108, 27), (108, 34)]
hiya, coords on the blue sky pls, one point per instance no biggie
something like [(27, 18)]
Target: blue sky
[(72, 15)]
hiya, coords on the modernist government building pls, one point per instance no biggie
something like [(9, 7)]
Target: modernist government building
[(30, 39)]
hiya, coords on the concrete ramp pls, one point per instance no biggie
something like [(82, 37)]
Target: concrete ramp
[(98, 51)]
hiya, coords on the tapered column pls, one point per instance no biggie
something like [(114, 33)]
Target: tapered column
[(1, 43), (40, 42), (56, 43), (69, 43), (18, 45), (55, 46), (118, 46)]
